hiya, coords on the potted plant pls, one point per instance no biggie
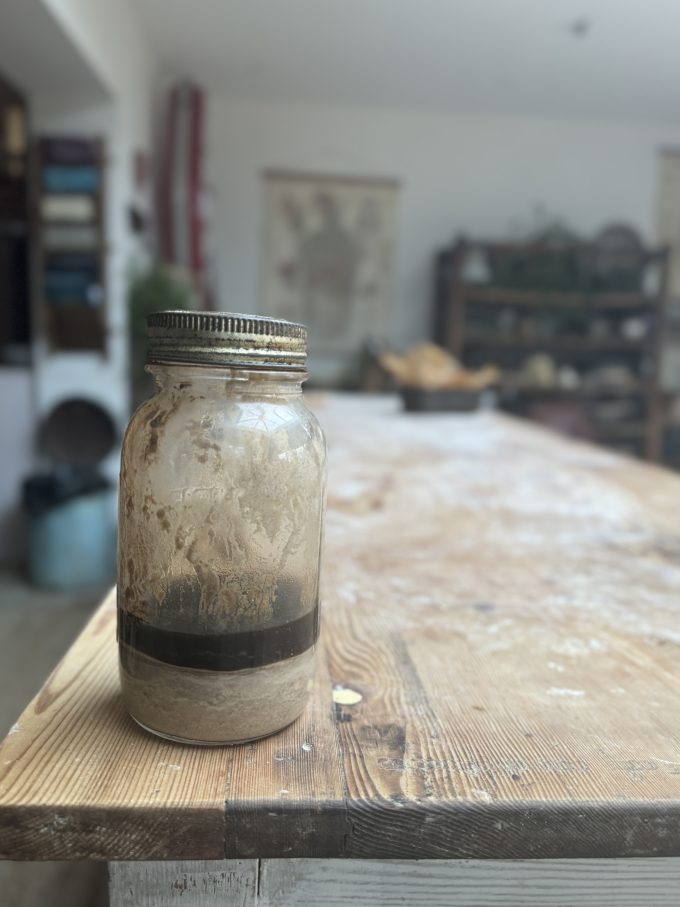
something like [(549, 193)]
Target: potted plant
[(157, 287)]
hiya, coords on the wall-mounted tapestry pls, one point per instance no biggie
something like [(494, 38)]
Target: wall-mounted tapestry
[(329, 244)]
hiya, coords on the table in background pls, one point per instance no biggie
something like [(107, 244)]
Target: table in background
[(498, 694)]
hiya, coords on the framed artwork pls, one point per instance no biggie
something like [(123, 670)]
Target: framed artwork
[(329, 247)]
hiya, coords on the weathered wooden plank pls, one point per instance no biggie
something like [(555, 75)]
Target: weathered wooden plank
[(211, 883), (285, 794), (498, 675), (505, 605), (79, 780), (470, 883)]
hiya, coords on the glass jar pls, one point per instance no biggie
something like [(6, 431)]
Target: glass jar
[(221, 503)]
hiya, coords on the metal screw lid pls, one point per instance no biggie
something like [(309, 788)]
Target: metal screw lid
[(225, 339)]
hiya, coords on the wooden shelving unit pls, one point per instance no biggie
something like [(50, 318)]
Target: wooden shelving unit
[(69, 249), (490, 339), (580, 327), (507, 296)]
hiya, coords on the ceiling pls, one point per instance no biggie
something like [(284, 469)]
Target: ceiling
[(612, 58)]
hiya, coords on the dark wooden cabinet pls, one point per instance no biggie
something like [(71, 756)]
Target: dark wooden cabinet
[(15, 323)]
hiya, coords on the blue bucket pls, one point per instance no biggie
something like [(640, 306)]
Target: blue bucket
[(73, 544)]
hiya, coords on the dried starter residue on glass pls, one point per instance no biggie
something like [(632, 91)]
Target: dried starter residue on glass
[(227, 551)]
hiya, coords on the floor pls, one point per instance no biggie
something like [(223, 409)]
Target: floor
[(36, 627)]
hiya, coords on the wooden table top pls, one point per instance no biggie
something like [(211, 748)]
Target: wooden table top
[(499, 674)]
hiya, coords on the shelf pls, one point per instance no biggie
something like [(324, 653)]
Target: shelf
[(493, 295), (542, 248), (74, 250), (68, 165), (66, 244), (565, 342), (44, 222), (580, 393), (619, 431)]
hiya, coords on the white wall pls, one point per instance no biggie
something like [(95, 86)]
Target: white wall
[(480, 174)]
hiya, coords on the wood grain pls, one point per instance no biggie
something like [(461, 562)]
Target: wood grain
[(74, 771), (200, 883), (502, 608), (469, 883)]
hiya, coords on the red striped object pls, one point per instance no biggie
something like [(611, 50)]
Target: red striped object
[(180, 226)]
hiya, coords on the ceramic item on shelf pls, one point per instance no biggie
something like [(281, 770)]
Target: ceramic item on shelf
[(634, 328), (539, 371), (568, 378)]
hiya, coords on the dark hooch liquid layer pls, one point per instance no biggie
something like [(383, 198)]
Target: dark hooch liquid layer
[(220, 651)]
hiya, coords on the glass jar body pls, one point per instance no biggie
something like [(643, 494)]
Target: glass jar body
[(221, 505)]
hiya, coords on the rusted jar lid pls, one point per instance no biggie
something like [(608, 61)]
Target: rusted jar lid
[(225, 339)]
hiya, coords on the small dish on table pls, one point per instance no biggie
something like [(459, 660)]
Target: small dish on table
[(430, 380)]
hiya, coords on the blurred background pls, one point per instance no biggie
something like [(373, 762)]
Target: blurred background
[(498, 178)]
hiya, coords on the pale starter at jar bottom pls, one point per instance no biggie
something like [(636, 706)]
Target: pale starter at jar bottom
[(234, 706)]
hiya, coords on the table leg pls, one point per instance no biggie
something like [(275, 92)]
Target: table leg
[(421, 883), (191, 883), (470, 883)]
